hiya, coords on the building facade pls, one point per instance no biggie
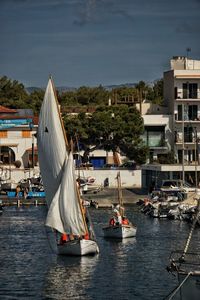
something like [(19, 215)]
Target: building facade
[(182, 97), (182, 94), (18, 145)]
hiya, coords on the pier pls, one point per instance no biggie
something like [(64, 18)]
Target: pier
[(14, 201), (109, 196), (105, 198)]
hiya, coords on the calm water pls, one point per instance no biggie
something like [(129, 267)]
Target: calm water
[(133, 269)]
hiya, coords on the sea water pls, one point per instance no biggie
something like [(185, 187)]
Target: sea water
[(131, 269)]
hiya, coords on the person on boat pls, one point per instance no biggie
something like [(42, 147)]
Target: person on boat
[(120, 209), (64, 238), (86, 236), (118, 217), (125, 221), (112, 221)]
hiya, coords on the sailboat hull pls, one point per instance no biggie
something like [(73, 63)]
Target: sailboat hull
[(120, 232), (78, 248), (191, 287)]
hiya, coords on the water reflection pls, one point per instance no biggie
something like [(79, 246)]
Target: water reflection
[(129, 269), (70, 278)]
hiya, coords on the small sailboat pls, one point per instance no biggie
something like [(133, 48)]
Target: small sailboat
[(66, 214), (119, 226), (186, 266)]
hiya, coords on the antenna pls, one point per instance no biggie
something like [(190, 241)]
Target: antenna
[(188, 50)]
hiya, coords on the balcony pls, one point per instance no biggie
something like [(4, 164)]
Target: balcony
[(188, 120), (180, 99), (188, 141)]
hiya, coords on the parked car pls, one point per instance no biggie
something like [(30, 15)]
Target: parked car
[(177, 184)]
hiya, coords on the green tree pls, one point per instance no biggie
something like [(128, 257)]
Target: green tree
[(115, 128), (35, 100), (12, 93), (158, 91)]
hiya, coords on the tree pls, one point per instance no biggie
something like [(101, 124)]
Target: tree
[(36, 99), (158, 91), (115, 128), (12, 93)]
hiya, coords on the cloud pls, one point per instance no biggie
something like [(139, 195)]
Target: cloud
[(188, 28), (86, 13)]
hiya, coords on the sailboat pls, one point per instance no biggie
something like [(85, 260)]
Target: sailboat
[(66, 215), (119, 227), (186, 266)]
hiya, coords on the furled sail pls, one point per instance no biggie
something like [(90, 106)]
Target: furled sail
[(65, 213), (51, 144)]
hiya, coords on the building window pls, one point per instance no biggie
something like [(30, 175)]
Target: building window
[(175, 93), (193, 90), (180, 113), (3, 134), (7, 155), (192, 112), (180, 156), (188, 134), (26, 134), (190, 90), (154, 136)]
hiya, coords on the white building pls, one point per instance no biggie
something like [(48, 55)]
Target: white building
[(18, 151), (182, 93), (182, 96)]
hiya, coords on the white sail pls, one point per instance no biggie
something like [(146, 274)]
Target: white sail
[(51, 144), (57, 170), (65, 213)]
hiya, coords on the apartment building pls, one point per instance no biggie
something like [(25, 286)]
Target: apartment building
[(182, 97)]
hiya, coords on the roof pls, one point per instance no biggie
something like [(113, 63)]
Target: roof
[(16, 117), (7, 110)]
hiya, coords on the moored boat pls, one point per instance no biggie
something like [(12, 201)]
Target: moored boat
[(78, 247), (120, 231), (119, 226), (186, 266)]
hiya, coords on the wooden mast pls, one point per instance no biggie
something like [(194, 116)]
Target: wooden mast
[(120, 198)]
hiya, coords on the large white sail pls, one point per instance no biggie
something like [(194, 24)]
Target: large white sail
[(51, 144), (65, 213)]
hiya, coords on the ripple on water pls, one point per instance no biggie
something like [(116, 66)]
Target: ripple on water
[(129, 269)]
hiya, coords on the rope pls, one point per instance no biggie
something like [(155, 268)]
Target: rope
[(191, 231), (173, 293)]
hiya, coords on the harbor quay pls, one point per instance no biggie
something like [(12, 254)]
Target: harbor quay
[(105, 198), (109, 196)]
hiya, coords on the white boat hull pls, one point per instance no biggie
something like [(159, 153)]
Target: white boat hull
[(120, 231), (78, 248), (191, 287)]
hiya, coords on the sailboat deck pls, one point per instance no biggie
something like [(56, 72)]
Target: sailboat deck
[(190, 262)]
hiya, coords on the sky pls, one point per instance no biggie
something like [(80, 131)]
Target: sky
[(93, 42)]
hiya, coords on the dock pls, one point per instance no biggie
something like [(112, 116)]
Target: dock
[(109, 196), (21, 201), (105, 198)]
